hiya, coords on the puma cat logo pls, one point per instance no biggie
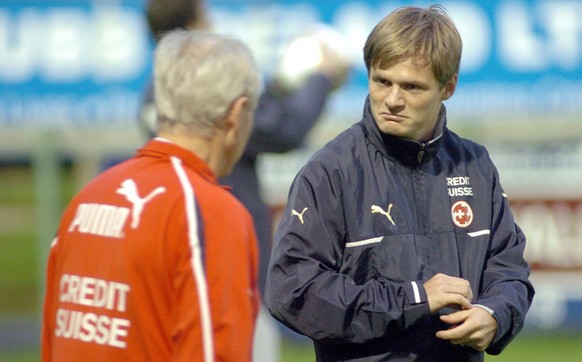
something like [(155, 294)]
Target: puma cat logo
[(299, 215), (379, 210), (129, 190)]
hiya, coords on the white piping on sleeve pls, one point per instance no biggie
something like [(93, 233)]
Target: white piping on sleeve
[(364, 242), (479, 233), (196, 261), (416, 292), (484, 307)]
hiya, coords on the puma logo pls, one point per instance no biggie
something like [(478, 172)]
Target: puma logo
[(379, 210), (129, 189), (299, 215)]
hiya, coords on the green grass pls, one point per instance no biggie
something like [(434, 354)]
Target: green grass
[(530, 347), (25, 356), (18, 268), (527, 347), (297, 352), (17, 185), (18, 257)]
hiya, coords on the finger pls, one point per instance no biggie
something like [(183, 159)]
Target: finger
[(454, 285), (455, 335), (462, 301), (470, 293), (454, 318), (463, 288), (459, 331)]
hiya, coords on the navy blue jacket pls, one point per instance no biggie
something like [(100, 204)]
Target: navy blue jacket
[(369, 219)]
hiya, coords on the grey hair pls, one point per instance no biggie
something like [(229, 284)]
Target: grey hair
[(199, 74)]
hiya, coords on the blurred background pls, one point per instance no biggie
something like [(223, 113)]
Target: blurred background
[(72, 74)]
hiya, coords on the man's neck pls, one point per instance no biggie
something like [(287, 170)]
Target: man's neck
[(208, 149)]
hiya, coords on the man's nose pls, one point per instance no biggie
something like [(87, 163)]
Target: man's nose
[(394, 98)]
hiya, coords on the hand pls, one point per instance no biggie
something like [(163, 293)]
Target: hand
[(334, 65), (443, 290), (473, 327), (320, 50)]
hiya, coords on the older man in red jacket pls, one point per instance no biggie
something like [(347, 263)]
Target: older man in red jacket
[(154, 260)]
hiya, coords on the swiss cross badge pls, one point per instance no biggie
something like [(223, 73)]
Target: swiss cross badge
[(462, 214)]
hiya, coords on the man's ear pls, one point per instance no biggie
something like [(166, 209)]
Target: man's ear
[(235, 114), (450, 87)]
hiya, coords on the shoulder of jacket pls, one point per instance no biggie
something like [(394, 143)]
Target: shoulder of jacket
[(465, 143), (347, 141)]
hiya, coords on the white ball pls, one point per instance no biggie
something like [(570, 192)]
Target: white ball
[(304, 54), (299, 61)]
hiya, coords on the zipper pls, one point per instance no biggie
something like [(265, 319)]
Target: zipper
[(421, 153), (420, 189)]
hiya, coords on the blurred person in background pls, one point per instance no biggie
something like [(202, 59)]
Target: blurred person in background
[(154, 259), (287, 110), (398, 242)]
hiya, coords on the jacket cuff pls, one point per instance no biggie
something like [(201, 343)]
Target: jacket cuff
[(486, 308), (415, 292)]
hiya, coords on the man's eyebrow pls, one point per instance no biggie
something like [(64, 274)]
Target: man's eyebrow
[(416, 83)]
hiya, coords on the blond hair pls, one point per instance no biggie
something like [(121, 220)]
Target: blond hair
[(427, 35)]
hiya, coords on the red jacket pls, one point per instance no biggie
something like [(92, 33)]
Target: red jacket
[(153, 260)]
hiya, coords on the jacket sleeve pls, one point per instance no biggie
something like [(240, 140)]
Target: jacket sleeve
[(305, 288), (506, 288), (232, 264), (283, 121)]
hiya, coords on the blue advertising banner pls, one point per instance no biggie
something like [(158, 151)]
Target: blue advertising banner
[(519, 57), (75, 63), (69, 64)]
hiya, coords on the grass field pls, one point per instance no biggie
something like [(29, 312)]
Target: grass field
[(526, 348), (19, 287)]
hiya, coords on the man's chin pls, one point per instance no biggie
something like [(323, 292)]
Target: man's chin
[(394, 130)]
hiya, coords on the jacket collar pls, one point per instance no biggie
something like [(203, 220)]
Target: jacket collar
[(162, 148), (407, 152)]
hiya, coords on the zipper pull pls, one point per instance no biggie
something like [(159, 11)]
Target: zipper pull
[(421, 153)]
